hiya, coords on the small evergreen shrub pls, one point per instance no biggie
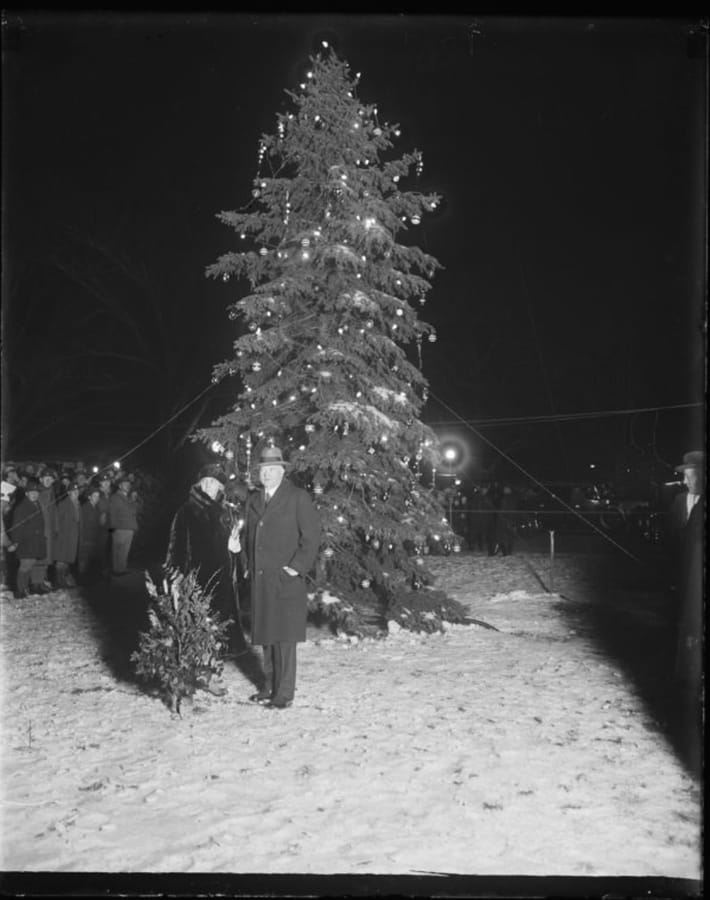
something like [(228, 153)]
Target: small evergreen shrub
[(180, 653)]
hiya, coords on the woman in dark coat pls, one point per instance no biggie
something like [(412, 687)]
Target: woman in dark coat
[(201, 537), (282, 540)]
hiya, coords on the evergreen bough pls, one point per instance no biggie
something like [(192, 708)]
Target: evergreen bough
[(180, 653)]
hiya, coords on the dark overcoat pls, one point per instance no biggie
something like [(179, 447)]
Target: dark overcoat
[(66, 541), (27, 530), (691, 571), (286, 532), (199, 536), (92, 534), (48, 501)]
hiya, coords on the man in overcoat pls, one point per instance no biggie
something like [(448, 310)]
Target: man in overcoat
[(282, 539), (28, 534), (687, 524)]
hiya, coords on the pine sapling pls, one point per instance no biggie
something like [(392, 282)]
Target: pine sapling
[(180, 653)]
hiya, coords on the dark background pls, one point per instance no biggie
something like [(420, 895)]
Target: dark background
[(570, 154)]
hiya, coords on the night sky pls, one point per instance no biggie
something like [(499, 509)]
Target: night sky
[(570, 154)]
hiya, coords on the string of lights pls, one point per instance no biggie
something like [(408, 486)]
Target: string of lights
[(562, 417)]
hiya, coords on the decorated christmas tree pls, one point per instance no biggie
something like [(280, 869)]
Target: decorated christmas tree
[(329, 354)]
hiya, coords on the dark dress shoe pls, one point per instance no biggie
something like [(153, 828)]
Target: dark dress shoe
[(278, 704), (260, 697)]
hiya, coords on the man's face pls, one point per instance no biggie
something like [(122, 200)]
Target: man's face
[(33, 494), (271, 477), (693, 479), (47, 481)]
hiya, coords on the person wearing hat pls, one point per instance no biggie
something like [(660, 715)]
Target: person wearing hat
[(48, 502), (66, 545), (202, 537), (687, 525), (123, 522), (27, 532), (8, 548), (92, 537), (106, 487), (282, 539)]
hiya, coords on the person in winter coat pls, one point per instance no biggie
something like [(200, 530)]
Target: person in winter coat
[(8, 548), (92, 537), (282, 539), (687, 523), (48, 502), (66, 545), (506, 521), (202, 537), (123, 521), (104, 505), (28, 534)]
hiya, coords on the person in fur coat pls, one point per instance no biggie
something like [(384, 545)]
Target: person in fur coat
[(202, 539)]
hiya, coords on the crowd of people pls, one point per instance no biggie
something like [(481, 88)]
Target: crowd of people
[(488, 518), (63, 524)]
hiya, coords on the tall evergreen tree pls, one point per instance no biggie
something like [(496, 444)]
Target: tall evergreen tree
[(322, 359)]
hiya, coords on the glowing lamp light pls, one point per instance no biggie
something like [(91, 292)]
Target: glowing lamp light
[(116, 465), (450, 454), (216, 447), (95, 470)]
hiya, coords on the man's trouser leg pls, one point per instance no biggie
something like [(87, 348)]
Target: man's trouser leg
[(284, 683), (121, 545), (23, 574)]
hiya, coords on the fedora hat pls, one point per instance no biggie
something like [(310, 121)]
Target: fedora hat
[(694, 459), (271, 456)]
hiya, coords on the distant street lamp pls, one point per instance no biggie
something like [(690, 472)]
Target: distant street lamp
[(451, 455)]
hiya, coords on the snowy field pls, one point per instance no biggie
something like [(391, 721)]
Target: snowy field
[(522, 749)]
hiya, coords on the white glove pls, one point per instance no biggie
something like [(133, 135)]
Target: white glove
[(234, 544)]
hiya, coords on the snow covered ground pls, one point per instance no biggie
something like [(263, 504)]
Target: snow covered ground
[(525, 749)]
